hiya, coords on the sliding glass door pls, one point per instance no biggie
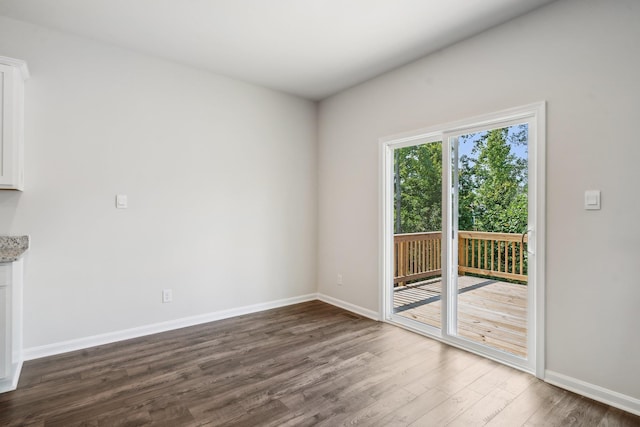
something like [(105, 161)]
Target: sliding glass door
[(460, 210)]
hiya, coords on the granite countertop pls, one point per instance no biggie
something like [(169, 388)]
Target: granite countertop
[(13, 247)]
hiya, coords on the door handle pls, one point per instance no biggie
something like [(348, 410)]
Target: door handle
[(522, 240)]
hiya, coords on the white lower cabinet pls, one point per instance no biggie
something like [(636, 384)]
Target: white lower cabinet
[(10, 324)]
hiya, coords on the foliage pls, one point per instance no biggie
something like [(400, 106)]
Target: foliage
[(492, 183), (419, 178)]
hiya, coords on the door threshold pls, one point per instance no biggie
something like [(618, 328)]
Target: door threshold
[(503, 358)]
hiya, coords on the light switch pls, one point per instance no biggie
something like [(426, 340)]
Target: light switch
[(121, 201), (592, 199)]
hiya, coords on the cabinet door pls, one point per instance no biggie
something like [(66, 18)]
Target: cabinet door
[(5, 358), (5, 312), (7, 136)]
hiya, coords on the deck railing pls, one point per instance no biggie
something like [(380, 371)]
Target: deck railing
[(499, 255), (417, 256)]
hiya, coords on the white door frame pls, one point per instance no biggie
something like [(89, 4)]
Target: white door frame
[(534, 115)]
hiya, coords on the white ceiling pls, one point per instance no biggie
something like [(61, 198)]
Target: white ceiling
[(310, 48)]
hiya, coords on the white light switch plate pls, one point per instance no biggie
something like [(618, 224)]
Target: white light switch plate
[(121, 201), (592, 200)]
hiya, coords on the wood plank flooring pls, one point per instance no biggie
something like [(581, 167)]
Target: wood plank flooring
[(494, 314), (306, 364)]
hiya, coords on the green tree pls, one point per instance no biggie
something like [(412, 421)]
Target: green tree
[(493, 182), (418, 187)]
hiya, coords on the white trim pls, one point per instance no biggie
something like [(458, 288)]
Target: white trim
[(428, 331), (540, 236), (10, 385), (374, 315), (449, 305), (432, 133), (111, 337), (385, 239), (18, 63), (592, 391)]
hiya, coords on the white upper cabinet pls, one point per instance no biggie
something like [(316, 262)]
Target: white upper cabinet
[(13, 73)]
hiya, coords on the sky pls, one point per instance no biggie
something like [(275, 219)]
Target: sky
[(466, 145)]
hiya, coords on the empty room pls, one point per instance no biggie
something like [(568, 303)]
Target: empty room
[(296, 212)]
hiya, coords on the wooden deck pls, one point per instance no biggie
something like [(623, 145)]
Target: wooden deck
[(489, 312)]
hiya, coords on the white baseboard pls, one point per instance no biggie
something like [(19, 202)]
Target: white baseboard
[(111, 337), (11, 382), (349, 307), (601, 394)]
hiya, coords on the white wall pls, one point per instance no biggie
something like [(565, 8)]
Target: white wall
[(582, 57), (221, 179), (220, 175)]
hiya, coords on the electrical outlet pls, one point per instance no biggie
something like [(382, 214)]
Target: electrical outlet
[(339, 280), (167, 295)]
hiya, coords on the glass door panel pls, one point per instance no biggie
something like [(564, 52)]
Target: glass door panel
[(417, 242), (490, 221)]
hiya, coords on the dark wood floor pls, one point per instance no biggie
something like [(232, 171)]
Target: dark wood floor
[(307, 364)]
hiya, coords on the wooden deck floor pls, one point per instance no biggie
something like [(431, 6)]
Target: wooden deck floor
[(490, 312)]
